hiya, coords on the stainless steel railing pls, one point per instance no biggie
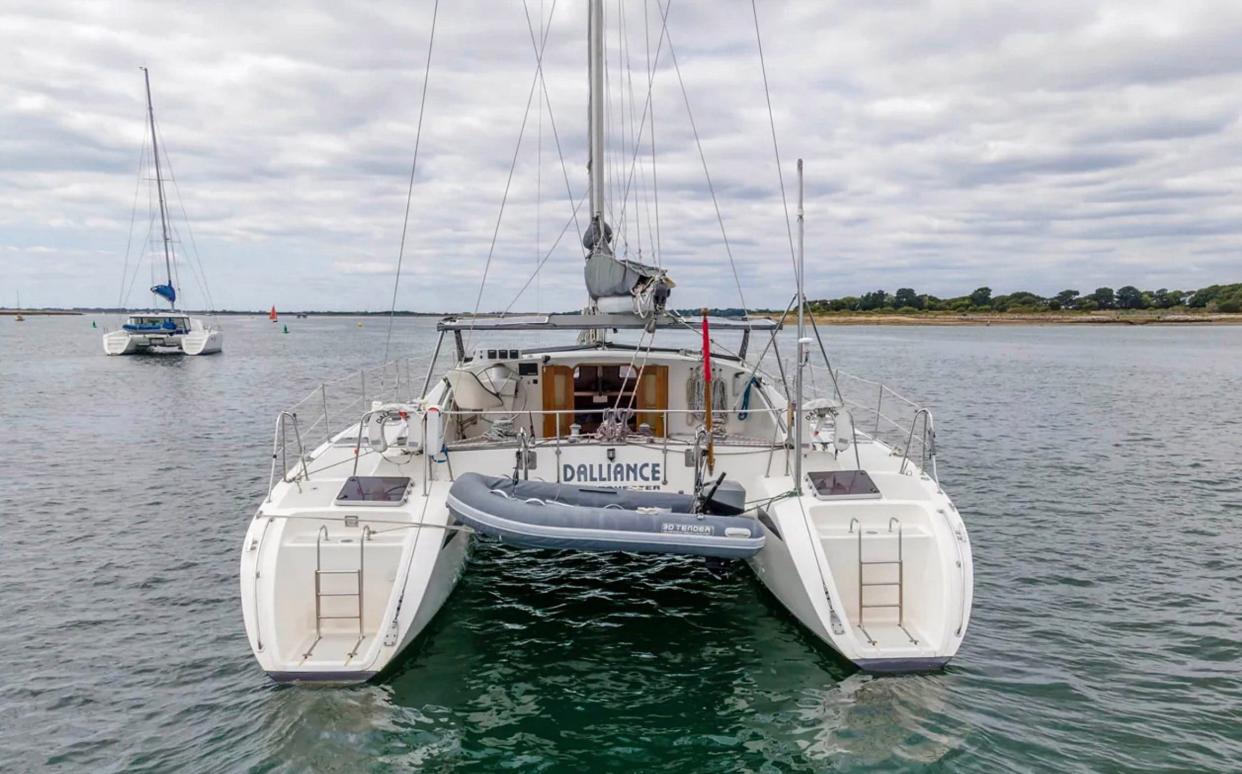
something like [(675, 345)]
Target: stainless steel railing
[(347, 396), (885, 415), (890, 417), (279, 450)]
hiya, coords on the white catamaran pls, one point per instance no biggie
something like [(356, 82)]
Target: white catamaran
[(169, 331), (603, 445)]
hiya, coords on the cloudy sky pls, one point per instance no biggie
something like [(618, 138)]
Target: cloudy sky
[(1025, 146)]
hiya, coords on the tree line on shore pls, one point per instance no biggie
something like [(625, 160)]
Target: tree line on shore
[(1214, 298)]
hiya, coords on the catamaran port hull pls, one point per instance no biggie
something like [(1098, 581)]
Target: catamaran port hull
[(334, 594)]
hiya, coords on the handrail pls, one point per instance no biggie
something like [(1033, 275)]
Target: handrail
[(961, 569), (928, 443), (279, 441)]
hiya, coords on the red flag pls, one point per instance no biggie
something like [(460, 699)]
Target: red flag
[(707, 351)]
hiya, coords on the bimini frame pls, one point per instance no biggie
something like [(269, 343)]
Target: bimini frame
[(460, 324)]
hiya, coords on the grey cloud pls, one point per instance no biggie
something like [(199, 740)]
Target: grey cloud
[(948, 145)]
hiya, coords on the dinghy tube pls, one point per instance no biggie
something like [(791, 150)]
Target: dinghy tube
[(548, 515)]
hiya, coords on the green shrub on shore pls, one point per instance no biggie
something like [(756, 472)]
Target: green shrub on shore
[(1214, 298)]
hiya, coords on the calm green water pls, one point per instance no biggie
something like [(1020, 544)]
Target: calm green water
[(1099, 470)]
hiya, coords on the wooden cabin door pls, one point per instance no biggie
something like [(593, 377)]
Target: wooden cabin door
[(558, 395), (652, 399)]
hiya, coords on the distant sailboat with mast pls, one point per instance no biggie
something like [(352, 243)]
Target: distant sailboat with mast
[(171, 330)]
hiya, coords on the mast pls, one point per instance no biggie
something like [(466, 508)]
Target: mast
[(802, 341), (626, 287), (595, 167), (159, 185)]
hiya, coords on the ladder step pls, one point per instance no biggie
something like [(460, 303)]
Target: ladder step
[(899, 583), (321, 595)]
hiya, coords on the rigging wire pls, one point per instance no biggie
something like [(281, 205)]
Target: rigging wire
[(409, 196), (199, 274), (780, 175), (672, 50), (627, 93), (629, 409), (491, 250), (634, 135), (776, 151), (647, 104), (133, 216), (547, 99), (623, 225), (610, 140), (146, 241), (655, 183), (546, 256), (169, 229), (639, 215)]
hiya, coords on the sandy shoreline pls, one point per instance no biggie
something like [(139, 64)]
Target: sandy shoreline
[(1048, 318)]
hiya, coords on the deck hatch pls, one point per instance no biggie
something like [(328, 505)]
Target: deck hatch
[(843, 485), (374, 490)]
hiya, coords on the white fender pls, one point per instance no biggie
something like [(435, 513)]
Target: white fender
[(843, 430), (375, 433)]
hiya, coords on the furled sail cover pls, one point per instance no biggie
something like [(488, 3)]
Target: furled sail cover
[(607, 276), (610, 277), (165, 291)]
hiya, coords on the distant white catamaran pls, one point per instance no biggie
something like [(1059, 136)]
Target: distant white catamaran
[(602, 445), (169, 331)]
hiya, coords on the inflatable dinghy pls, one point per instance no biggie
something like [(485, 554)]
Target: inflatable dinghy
[(549, 515)]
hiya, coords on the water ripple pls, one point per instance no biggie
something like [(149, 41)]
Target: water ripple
[(1097, 469)]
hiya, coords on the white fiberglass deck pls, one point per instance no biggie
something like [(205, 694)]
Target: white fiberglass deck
[(404, 557)]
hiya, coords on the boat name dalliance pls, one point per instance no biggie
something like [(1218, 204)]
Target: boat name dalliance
[(613, 472)]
